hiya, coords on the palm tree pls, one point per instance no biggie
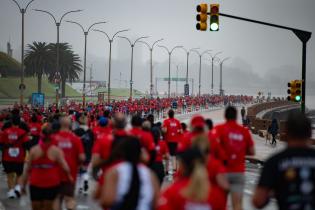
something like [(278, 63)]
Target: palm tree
[(69, 65), (38, 61)]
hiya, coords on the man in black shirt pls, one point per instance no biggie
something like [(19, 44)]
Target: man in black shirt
[(290, 174)]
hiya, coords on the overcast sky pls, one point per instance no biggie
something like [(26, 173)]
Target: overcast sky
[(262, 50)]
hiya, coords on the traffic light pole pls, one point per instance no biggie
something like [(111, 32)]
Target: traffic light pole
[(304, 36)]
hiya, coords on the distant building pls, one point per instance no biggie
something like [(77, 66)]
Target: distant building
[(9, 49)]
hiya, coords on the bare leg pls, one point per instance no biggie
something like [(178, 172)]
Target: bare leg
[(237, 200)]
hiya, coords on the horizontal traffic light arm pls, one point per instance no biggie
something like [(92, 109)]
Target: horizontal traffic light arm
[(305, 35)]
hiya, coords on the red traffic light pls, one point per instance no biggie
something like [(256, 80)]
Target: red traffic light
[(214, 10)]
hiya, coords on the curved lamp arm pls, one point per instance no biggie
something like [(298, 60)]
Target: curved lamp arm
[(68, 21), (126, 38), (28, 4), (176, 47), (17, 5), (79, 10), (103, 32), (161, 46), (137, 40), (44, 11), (101, 22), (120, 32)]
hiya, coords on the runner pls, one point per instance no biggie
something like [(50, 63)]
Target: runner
[(87, 138), (236, 142), (72, 147), (42, 172), (14, 143), (192, 189), (216, 172), (289, 175), (172, 130), (129, 184), (146, 138), (102, 151), (102, 128), (35, 128)]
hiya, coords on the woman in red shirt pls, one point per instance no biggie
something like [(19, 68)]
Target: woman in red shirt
[(45, 161), (192, 189)]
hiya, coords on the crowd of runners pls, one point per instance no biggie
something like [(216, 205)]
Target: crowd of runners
[(52, 154)]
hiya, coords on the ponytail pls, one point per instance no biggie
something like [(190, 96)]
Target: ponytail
[(130, 200), (199, 185)]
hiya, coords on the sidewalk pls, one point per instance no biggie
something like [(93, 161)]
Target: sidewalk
[(264, 150)]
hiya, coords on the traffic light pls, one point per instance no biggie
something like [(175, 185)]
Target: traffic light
[(295, 91), (202, 17), (214, 17)]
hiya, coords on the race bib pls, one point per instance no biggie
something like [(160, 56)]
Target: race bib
[(14, 152)]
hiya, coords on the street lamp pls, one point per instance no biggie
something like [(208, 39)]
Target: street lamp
[(110, 57), (200, 56), (22, 85), (169, 66), (85, 32), (151, 62), (221, 65), (58, 23), (132, 45), (212, 60), (187, 67)]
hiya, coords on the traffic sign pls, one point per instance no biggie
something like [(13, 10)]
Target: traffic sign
[(186, 89), (38, 99)]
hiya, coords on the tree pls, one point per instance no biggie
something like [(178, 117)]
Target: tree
[(38, 61), (69, 65)]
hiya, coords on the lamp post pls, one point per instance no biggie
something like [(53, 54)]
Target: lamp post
[(85, 32), (200, 57), (187, 67), (169, 65), (22, 85), (151, 62), (132, 45), (221, 65), (58, 23), (110, 57), (212, 60)]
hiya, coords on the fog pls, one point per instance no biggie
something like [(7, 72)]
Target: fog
[(262, 58)]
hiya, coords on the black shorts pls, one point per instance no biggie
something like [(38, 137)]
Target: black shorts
[(172, 146), (158, 168), (42, 194), (13, 167), (67, 189)]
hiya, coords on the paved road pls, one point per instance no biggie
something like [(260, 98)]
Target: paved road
[(86, 202)]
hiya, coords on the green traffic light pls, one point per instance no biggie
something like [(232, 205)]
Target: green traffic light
[(214, 26), (297, 98)]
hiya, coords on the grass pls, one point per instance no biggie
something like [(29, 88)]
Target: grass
[(9, 88)]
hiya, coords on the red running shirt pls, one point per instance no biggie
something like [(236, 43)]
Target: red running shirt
[(146, 138), (72, 147), (172, 198), (13, 139), (173, 129), (43, 169), (35, 128), (235, 141)]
